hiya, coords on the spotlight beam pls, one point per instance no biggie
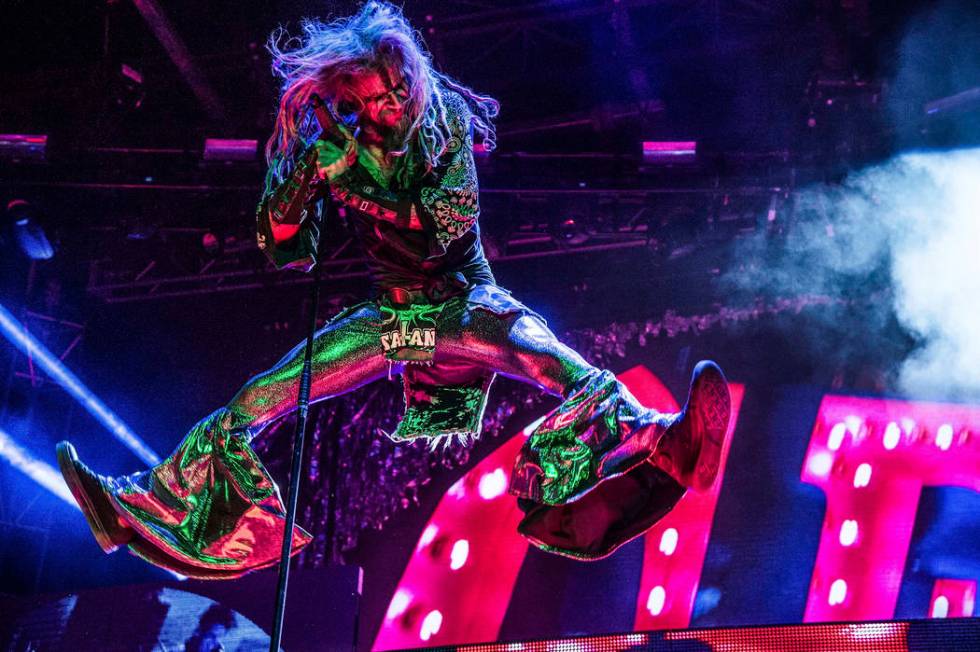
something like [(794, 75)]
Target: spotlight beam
[(17, 333), (41, 473)]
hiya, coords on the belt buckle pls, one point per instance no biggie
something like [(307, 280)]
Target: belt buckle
[(400, 296)]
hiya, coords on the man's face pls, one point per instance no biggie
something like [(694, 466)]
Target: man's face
[(379, 98)]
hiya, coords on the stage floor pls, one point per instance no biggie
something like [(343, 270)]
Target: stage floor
[(948, 635)]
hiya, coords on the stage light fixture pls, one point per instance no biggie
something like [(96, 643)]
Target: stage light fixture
[(211, 243), (228, 150), (854, 424), (669, 152), (21, 222), (572, 231), (17, 333), (126, 88), (216, 243), (23, 147), (953, 598), (141, 231)]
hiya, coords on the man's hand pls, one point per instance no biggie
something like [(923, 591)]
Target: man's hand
[(333, 160)]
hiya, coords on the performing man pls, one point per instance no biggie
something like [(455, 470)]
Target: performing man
[(597, 472)]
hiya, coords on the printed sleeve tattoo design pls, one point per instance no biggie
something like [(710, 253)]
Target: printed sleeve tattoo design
[(454, 202), (288, 203), (449, 196)]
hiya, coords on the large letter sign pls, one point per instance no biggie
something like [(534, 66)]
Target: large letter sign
[(871, 457), (458, 583)]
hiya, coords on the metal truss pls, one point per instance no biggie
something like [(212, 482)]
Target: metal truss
[(155, 281), (59, 334), (467, 19), (144, 240), (519, 224)]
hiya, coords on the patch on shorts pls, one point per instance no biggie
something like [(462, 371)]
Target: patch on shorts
[(408, 334)]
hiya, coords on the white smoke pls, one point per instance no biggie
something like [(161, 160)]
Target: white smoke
[(911, 225), (936, 269)]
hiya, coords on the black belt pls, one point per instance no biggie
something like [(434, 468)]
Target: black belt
[(434, 290)]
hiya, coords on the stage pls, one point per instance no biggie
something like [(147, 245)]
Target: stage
[(531, 220), (201, 615)]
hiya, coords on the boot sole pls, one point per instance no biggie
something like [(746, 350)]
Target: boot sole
[(712, 411), (66, 462)]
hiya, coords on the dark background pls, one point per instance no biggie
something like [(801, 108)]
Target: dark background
[(777, 94)]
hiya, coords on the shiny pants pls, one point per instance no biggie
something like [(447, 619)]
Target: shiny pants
[(347, 354), (211, 510)]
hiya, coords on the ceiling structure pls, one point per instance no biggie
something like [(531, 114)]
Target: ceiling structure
[(127, 93)]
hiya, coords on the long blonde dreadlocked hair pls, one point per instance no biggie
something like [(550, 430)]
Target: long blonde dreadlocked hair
[(327, 55)]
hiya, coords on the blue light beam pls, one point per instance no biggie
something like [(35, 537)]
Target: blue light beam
[(17, 333), (46, 476), (43, 474)]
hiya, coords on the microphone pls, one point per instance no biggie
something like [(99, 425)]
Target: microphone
[(329, 121)]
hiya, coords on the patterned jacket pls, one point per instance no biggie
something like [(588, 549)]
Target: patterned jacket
[(443, 205)]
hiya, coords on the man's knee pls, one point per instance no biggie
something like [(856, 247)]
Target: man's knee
[(482, 330), (257, 397)]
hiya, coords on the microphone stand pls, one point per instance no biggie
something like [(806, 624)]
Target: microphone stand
[(326, 119)]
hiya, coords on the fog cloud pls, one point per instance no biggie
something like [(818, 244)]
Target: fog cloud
[(910, 226)]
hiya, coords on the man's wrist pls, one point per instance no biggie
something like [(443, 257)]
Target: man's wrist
[(287, 204)]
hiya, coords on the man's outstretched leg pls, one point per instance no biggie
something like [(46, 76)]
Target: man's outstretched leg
[(210, 509), (601, 468)]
